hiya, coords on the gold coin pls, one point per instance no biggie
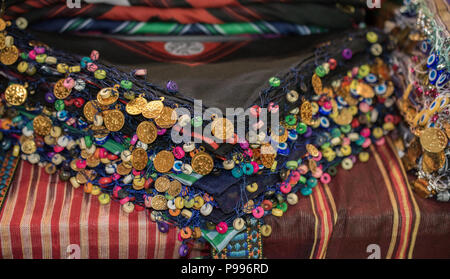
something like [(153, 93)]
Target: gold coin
[(447, 129), (162, 184), (113, 96), (312, 165), (114, 120), (280, 138), (81, 177), (73, 165), (2, 24), (42, 125), (163, 161), (139, 158), (365, 90), (306, 112), (90, 109), (432, 162), (159, 202), (317, 84), (167, 118), (9, 55), (146, 132), (92, 161), (345, 117), (123, 169), (268, 155), (28, 146), (312, 150), (222, 128), (16, 94), (202, 163), (60, 91), (433, 140), (153, 109), (174, 188), (136, 106), (84, 154), (2, 41)]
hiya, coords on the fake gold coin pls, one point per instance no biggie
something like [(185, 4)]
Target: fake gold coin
[(123, 169), (60, 91), (317, 84), (139, 158), (113, 96), (114, 120), (202, 163), (345, 117), (167, 118), (306, 112), (432, 162), (174, 188), (146, 132), (136, 106), (42, 125), (268, 155), (28, 146), (153, 109), (365, 90), (90, 109), (163, 161), (16, 94), (81, 177), (159, 202), (2, 24), (9, 55), (2, 41), (312, 150), (433, 140), (92, 161), (222, 128), (162, 184)]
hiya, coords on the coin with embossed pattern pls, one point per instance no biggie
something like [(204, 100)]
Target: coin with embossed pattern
[(202, 163), (433, 140), (60, 91), (16, 94), (146, 132), (139, 158), (162, 184), (114, 120), (163, 161), (42, 125), (9, 55), (167, 118)]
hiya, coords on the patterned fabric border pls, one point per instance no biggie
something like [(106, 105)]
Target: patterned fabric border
[(7, 170)]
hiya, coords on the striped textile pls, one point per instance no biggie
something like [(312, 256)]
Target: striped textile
[(42, 216), (63, 25), (367, 210), (327, 16)]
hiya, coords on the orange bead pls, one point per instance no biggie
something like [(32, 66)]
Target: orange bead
[(88, 187), (174, 212), (185, 233)]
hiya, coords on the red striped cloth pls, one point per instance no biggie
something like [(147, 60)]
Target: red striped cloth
[(42, 216), (368, 211)]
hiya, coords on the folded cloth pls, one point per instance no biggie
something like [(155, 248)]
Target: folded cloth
[(62, 25), (303, 13)]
